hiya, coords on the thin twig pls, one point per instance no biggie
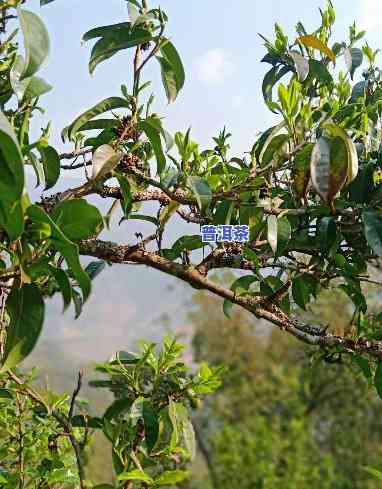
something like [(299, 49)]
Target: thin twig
[(75, 394)]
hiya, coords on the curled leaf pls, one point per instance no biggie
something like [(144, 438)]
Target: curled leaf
[(105, 159), (329, 167)]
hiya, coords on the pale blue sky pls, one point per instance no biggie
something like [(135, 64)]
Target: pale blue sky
[(220, 47)]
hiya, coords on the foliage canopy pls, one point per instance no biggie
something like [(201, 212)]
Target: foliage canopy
[(308, 188)]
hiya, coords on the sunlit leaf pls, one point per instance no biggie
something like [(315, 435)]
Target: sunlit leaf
[(315, 43), (36, 41)]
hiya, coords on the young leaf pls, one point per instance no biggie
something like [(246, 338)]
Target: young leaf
[(170, 477), (26, 309), (36, 41), (136, 475)]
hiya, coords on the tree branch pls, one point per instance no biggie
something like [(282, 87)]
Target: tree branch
[(261, 307)]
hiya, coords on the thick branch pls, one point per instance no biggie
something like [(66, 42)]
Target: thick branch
[(262, 308)]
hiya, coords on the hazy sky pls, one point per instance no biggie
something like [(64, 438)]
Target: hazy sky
[(219, 43), (220, 46)]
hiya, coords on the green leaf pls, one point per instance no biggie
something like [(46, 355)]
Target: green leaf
[(11, 181), (227, 308), (170, 477), (100, 124), (167, 212), (98, 109), (304, 288), (26, 310), (378, 379), (363, 364), (337, 131), (5, 394), (30, 87), (153, 130), (272, 234), (63, 282), (36, 87), (116, 40), (189, 243), (271, 78), (327, 233), (143, 217), (64, 246), (223, 213), (36, 41), (284, 232), (319, 71), (265, 141), (301, 171), (95, 268), (373, 230), (354, 59), (358, 91), (329, 167), (51, 164), (77, 219), (242, 284), (315, 43), (300, 292), (173, 75), (136, 475), (105, 159), (78, 303), (270, 286), (274, 149), (201, 190), (118, 407), (377, 474), (106, 31)]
